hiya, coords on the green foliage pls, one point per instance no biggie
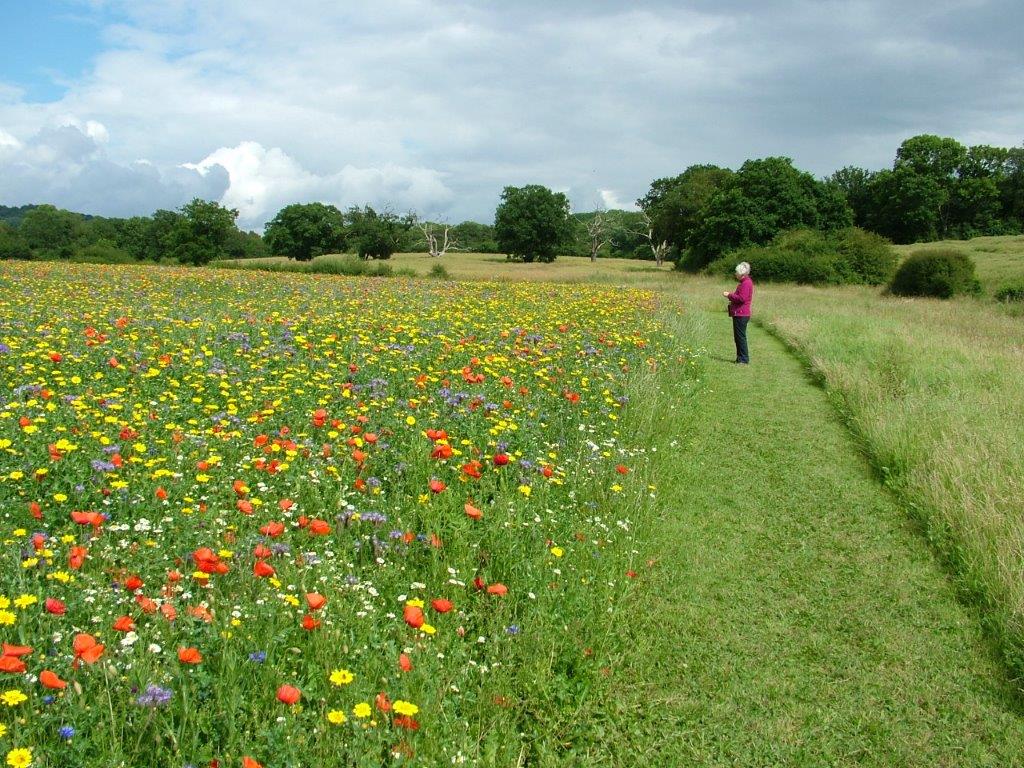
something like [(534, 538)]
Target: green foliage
[(439, 271), (202, 233), (1013, 291), (49, 230), (12, 215), (937, 272), (102, 252), (676, 206), (376, 235), (303, 231), (532, 223), (348, 265), (476, 237), (763, 198), (810, 257), (12, 244)]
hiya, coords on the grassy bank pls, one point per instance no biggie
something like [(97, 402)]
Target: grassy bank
[(999, 259), (933, 391)]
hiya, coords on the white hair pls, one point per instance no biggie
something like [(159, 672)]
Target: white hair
[(743, 268)]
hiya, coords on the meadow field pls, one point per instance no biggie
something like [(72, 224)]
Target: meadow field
[(999, 260), (529, 515)]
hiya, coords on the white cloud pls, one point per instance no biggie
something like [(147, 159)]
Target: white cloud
[(262, 181), (68, 167), (611, 201)]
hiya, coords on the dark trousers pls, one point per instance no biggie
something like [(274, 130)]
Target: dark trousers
[(739, 335)]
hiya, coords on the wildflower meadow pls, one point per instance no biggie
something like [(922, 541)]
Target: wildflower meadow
[(281, 520)]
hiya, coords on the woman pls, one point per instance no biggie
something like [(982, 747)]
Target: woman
[(739, 310)]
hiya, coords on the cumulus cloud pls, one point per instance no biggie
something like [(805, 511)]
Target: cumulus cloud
[(67, 166), (262, 181), (611, 201), (439, 105)]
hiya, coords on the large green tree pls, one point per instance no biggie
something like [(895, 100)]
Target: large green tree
[(12, 244), (760, 200), (303, 231), (202, 233), (377, 235), (675, 206), (532, 223), (50, 230)]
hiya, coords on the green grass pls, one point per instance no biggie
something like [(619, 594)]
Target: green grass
[(788, 614)]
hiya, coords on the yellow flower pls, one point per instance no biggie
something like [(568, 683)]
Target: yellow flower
[(30, 562), (4, 603), (342, 677), (525, 490), (19, 758), (13, 697), (7, 618), (19, 532), (362, 709), (428, 629), (406, 708), (336, 716), (24, 601), (3, 730), (60, 497), (557, 551)]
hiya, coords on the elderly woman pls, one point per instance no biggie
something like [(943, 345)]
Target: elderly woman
[(739, 310)]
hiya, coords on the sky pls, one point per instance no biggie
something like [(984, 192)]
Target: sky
[(121, 107)]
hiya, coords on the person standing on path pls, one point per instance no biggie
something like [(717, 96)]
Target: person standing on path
[(739, 310)]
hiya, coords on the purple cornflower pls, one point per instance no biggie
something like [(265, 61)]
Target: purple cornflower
[(154, 696), (258, 656), (512, 629), (66, 732)]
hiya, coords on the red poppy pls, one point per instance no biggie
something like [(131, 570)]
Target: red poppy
[(147, 604), (273, 529), (500, 459), (16, 650), (161, 494), (76, 557), (248, 762), (382, 702), (55, 606), (309, 623), (622, 469), (263, 569), (50, 680), (319, 527), (36, 510), (132, 583), (124, 624), (436, 486), (473, 512), (404, 721), (12, 665), (497, 589), (413, 616), (189, 656), (86, 648), (404, 663), (472, 469), (288, 694), (244, 506), (262, 551), (441, 605), (285, 504), (315, 601)]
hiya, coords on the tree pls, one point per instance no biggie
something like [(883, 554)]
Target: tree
[(531, 223), (906, 205), (647, 233), (12, 244), (676, 206), (48, 228), (303, 231), (440, 238), (855, 184), (760, 200), (597, 233), (377, 235), (476, 237), (202, 233)]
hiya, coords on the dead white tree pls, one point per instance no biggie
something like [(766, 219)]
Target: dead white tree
[(440, 238), (597, 233), (659, 250)]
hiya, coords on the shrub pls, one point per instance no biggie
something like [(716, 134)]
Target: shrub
[(1011, 292), (870, 256), (439, 271), (939, 272), (102, 252), (13, 245)]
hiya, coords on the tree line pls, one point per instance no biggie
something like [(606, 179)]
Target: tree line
[(936, 189)]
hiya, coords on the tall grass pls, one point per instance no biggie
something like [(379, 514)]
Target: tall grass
[(934, 390)]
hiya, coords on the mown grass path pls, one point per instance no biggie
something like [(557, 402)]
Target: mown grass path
[(792, 616)]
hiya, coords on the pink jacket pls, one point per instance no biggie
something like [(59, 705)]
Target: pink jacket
[(739, 300)]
